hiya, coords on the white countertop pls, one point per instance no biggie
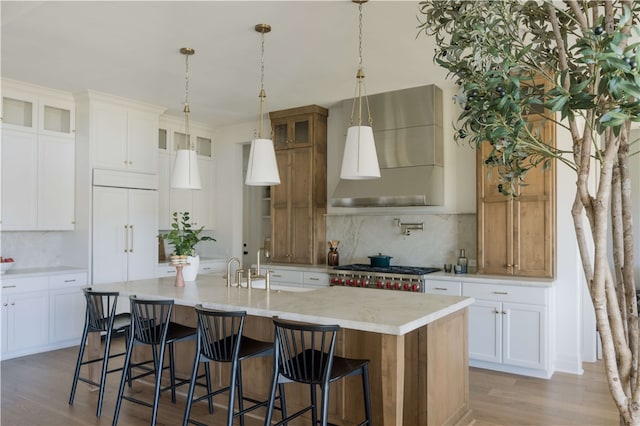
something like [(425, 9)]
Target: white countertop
[(492, 279), (38, 272), (386, 312)]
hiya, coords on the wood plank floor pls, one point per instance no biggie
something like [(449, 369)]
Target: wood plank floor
[(35, 391)]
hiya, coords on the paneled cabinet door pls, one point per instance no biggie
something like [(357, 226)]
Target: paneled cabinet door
[(56, 183), (485, 331), (28, 320), (124, 234), (4, 327), (124, 139), (291, 212), (67, 307), (19, 152), (67, 314), (293, 132), (524, 341)]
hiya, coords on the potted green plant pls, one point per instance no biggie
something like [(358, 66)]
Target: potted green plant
[(183, 237)]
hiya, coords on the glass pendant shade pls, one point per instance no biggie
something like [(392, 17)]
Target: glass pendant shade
[(360, 160), (262, 169), (186, 174)]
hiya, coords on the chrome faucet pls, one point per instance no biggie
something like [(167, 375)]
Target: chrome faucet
[(233, 259)]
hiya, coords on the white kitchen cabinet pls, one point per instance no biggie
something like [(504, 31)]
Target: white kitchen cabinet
[(124, 234), (509, 328), (56, 183), (207, 266), (66, 308), (25, 327), (123, 137), (19, 180), (450, 288), (38, 158)]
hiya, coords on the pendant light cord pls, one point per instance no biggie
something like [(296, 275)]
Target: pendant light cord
[(360, 88), (186, 108), (262, 94)]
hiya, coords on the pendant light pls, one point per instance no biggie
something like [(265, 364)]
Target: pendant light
[(185, 173), (360, 160), (262, 169)]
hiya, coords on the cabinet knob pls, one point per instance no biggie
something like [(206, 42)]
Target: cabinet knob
[(504, 312), (5, 304), (13, 303), (495, 311)]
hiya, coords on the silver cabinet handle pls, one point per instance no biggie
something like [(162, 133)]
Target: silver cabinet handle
[(276, 275), (440, 288), (69, 281), (314, 279), (8, 286), (126, 237), (500, 292)]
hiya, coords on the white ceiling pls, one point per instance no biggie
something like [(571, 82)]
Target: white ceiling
[(131, 49)]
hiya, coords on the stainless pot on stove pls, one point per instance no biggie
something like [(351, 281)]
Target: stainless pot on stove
[(380, 260)]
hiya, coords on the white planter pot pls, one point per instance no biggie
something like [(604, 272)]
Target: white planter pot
[(189, 273)]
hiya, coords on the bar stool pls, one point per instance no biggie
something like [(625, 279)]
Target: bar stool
[(304, 353), (151, 325), (100, 317), (220, 339)]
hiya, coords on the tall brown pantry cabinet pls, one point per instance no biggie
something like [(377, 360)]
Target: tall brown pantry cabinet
[(517, 236), (298, 204)]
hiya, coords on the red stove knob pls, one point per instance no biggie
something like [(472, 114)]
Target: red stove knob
[(415, 287), (396, 286), (388, 285), (379, 284), (406, 287), (349, 282), (333, 280), (356, 283), (340, 281)]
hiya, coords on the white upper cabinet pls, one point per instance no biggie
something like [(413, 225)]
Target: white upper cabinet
[(123, 133), (38, 158)]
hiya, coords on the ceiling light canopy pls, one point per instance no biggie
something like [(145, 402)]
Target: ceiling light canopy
[(185, 174), (360, 160), (262, 169)]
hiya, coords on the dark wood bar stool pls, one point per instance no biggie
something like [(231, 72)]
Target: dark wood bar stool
[(100, 317), (151, 326), (304, 353), (221, 339)]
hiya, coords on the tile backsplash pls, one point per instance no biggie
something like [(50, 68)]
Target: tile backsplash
[(438, 243)]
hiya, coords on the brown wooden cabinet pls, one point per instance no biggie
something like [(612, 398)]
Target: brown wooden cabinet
[(299, 203), (517, 237)]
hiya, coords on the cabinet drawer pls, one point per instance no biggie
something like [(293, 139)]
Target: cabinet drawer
[(316, 279), (530, 295), (68, 280), (443, 287), (212, 267), (165, 271), (286, 276), (22, 285)]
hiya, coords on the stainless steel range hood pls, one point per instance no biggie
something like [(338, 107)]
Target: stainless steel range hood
[(407, 127)]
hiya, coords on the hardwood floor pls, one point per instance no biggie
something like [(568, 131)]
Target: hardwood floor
[(35, 391)]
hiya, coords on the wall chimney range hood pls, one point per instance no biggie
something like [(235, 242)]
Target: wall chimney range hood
[(407, 128)]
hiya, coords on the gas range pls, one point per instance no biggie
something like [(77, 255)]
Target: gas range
[(401, 278)]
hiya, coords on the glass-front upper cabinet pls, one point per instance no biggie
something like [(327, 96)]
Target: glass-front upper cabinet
[(29, 112), (291, 132), (204, 146)]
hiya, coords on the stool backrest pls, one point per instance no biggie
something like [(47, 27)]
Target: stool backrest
[(220, 333), (304, 352), (101, 308), (150, 319)]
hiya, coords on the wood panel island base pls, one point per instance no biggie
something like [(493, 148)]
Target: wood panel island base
[(417, 344)]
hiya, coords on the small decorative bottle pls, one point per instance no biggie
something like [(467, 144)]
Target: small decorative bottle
[(463, 262), (333, 257)]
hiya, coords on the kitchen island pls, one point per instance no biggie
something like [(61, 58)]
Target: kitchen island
[(417, 344)]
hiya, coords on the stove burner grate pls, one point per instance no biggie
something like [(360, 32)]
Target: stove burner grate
[(404, 270)]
